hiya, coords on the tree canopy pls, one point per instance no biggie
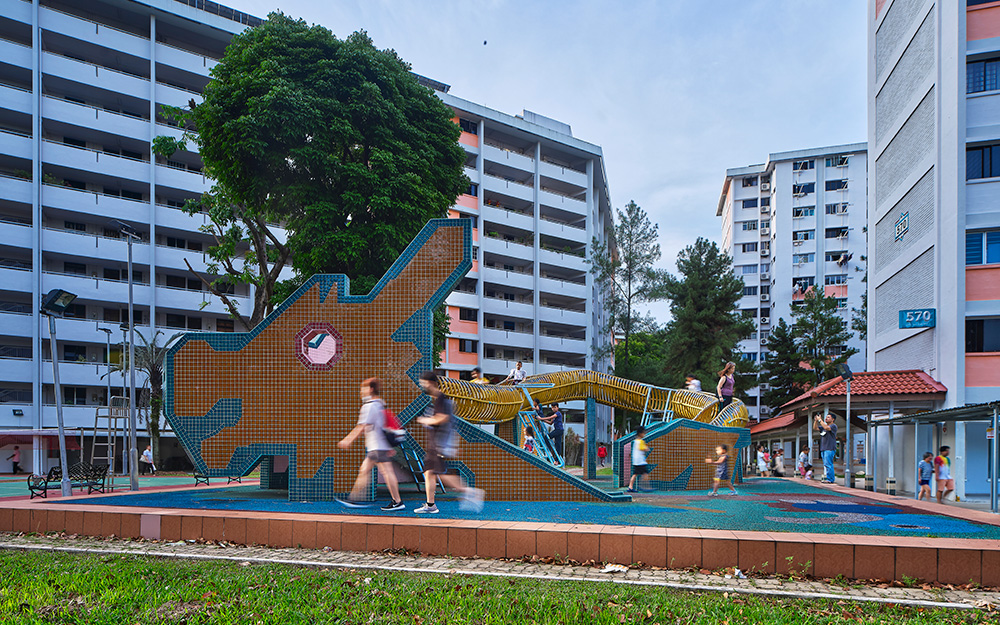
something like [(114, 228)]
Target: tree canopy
[(782, 369), (626, 273), (706, 326), (335, 140), (822, 333)]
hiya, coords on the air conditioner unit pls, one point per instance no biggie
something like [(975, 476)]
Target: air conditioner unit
[(765, 297), (765, 320), (765, 210), (764, 386), (797, 242), (765, 276), (800, 194), (765, 252), (765, 186), (765, 231)]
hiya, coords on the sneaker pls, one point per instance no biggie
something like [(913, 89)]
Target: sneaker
[(393, 506), (631, 490), (348, 503), (733, 492), (427, 509), (713, 494), (472, 499)]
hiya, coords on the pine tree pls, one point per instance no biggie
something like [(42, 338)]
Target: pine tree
[(782, 371), (819, 330), (706, 325)]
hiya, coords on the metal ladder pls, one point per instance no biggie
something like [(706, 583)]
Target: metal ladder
[(109, 422)]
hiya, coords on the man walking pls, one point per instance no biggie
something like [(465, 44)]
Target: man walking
[(442, 444), (945, 483), (371, 422), (146, 461), (827, 444), (15, 459)]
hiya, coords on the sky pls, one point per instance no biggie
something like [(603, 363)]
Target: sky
[(675, 92)]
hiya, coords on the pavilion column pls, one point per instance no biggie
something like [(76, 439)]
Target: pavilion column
[(890, 480), (958, 471)]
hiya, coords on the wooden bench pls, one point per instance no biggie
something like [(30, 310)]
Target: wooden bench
[(81, 475)]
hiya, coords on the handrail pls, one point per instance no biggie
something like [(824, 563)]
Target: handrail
[(99, 24), (10, 86), (206, 56), (16, 43), (553, 306), (96, 193), (500, 146), (18, 133), (16, 221), (561, 223), (96, 108), (86, 277), (98, 66), (517, 182), (561, 194), (78, 147)]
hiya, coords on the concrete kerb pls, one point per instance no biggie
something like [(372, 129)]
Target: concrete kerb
[(489, 568)]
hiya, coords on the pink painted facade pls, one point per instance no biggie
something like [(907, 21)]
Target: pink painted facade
[(982, 283), (983, 22)]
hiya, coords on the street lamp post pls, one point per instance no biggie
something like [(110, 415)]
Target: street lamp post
[(54, 305), (847, 375), (107, 356), (133, 453)]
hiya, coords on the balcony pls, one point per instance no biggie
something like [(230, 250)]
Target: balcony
[(93, 203), (15, 98), (501, 246), (463, 299), (15, 278), (96, 75), (561, 201), (15, 188), (15, 234), (72, 242), (563, 259), (95, 118), (183, 299), (562, 287), (184, 59), (110, 165), (93, 32), (99, 289), (16, 144), (497, 154), (14, 53), (564, 316), (498, 275), (182, 178), (510, 308), (508, 338), (512, 188), (17, 10), (561, 172), (175, 96), (562, 344), (562, 230), (16, 323), (512, 218), (15, 370)]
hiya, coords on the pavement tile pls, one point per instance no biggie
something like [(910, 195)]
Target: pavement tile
[(256, 531), (757, 555), (111, 524), (6, 520), (551, 543), (407, 536), (38, 521), (650, 548), (794, 557), (960, 566), (683, 551), (329, 534), (583, 543), (520, 542), (462, 541), (55, 521), (916, 563), (434, 539), (279, 533), (354, 536), (213, 528), (22, 520), (191, 527), (379, 536), (832, 559), (874, 562), (304, 534), (234, 530), (718, 553), (616, 547), (92, 523)]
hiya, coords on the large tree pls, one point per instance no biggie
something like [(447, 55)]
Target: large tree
[(822, 333), (706, 325), (782, 369), (335, 141), (625, 272)]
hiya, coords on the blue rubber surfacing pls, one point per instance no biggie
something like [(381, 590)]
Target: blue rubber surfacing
[(767, 505)]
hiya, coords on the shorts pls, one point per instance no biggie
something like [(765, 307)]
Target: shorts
[(435, 463), (379, 456), (925, 482), (946, 484), (640, 469)]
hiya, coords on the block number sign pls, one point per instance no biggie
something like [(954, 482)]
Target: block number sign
[(902, 225), (919, 318)]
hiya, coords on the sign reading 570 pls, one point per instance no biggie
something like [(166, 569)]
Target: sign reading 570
[(918, 318)]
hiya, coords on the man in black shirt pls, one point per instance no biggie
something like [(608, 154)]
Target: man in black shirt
[(827, 444)]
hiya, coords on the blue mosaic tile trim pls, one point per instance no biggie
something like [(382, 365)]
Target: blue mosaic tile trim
[(462, 469), (678, 483)]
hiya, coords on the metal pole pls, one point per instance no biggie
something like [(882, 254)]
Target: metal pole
[(133, 453), (67, 490), (107, 355), (849, 447), (996, 459)]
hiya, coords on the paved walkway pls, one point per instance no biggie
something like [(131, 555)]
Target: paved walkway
[(943, 596)]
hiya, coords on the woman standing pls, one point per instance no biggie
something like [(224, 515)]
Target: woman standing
[(727, 383)]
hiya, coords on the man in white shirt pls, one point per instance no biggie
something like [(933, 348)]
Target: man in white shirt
[(517, 374), (371, 421), (146, 461)]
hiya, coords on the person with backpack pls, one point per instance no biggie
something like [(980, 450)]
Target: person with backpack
[(372, 421), (442, 443), (602, 453)]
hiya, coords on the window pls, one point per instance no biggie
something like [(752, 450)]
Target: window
[(468, 314), (748, 269), (138, 317), (836, 233), (765, 289), (981, 75), (801, 284), (833, 257), (79, 143), (842, 303), (836, 185), (752, 357), (78, 269), (467, 346), (764, 335), (980, 162), (176, 321), (839, 208), (803, 211), (75, 225), (765, 267), (982, 335), (75, 311), (475, 253), (749, 247), (111, 233), (473, 190), (750, 182), (837, 279), (836, 350), (749, 291), (176, 242), (982, 247), (799, 259), (468, 126), (750, 203), (225, 325), (194, 323), (75, 395), (75, 353), (765, 201), (176, 282), (765, 312), (837, 161), (803, 165), (803, 188), (131, 195), (748, 225), (749, 312), (803, 235), (112, 314), (765, 223)]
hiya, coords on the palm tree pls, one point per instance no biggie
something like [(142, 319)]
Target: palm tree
[(150, 358)]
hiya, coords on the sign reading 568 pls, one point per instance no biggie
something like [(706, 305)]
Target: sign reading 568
[(918, 318)]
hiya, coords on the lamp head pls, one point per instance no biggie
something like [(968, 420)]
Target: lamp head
[(56, 301), (844, 371)]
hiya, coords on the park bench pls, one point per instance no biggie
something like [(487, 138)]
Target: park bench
[(81, 475)]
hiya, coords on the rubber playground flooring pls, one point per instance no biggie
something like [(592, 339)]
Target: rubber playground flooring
[(12, 486), (768, 505)]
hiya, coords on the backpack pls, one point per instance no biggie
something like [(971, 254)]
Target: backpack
[(392, 430)]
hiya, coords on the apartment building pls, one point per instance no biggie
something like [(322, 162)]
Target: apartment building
[(933, 132), (81, 86), (794, 223), (538, 198)]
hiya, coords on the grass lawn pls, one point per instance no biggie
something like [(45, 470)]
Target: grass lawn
[(64, 588)]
